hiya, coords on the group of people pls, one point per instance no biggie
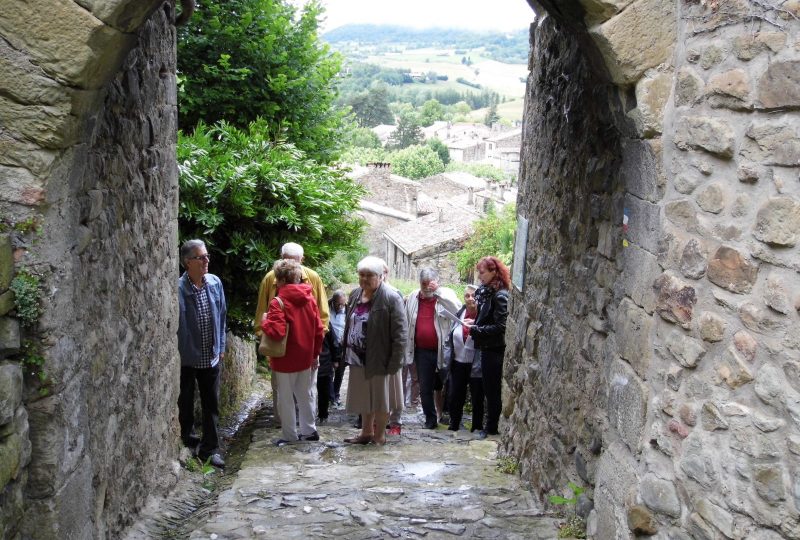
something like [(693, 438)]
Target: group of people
[(398, 350)]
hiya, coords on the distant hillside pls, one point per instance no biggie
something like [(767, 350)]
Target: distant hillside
[(511, 48)]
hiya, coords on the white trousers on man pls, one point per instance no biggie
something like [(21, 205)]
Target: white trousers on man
[(299, 386)]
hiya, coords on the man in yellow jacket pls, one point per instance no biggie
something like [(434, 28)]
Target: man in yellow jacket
[(267, 291)]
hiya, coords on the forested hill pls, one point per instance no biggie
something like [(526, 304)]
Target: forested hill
[(509, 47)]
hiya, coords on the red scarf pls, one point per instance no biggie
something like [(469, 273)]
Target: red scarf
[(468, 315)]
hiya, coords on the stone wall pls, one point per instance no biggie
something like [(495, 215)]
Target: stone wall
[(88, 189), (654, 355)]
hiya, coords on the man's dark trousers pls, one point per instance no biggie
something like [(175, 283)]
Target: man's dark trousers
[(208, 383), (427, 361)]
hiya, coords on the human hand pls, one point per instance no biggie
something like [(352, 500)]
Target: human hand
[(264, 318), (469, 323)]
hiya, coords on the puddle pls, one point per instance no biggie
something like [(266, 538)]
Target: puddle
[(422, 469)]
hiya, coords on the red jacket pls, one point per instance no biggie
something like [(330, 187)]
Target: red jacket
[(305, 328)]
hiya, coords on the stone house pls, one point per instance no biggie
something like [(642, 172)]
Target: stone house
[(428, 241), (502, 150)]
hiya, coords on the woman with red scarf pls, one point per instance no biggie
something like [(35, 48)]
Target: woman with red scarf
[(488, 332), (464, 362)]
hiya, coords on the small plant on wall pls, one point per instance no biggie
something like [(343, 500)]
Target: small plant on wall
[(573, 526)]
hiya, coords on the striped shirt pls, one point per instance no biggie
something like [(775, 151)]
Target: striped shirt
[(207, 359)]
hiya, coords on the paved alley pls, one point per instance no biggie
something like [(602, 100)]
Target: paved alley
[(423, 484)]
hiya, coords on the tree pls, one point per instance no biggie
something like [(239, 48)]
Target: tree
[(407, 133), (416, 162), (364, 138), (441, 150), (243, 59), (491, 117), (246, 195), (494, 235), (430, 112), (371, 108)]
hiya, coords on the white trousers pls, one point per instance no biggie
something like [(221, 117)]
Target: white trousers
[(296, 386)]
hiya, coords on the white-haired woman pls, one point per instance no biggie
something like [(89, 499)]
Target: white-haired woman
[(374, 340)]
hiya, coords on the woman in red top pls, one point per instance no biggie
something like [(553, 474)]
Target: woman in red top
[(294, 372)]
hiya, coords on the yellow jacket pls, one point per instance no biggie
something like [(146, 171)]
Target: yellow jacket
[(267, 290)]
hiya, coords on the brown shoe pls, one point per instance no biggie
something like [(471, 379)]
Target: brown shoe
[(361, 439)]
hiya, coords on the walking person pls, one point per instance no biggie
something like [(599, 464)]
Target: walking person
[(428, 328), (375, 338), (201, 344), (337, 307), (488, 333), (267, 291), (295, 311), (462, 357)]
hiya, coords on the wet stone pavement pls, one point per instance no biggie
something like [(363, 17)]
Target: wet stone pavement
[(421, 484)]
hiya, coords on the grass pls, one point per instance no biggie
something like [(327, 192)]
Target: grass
[(508, 465)]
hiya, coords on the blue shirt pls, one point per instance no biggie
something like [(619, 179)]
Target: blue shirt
[(190, 335)]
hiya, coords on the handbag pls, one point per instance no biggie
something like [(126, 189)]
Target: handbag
[(275, 348)]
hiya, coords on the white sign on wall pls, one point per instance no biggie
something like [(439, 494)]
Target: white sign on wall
[(520, 247)]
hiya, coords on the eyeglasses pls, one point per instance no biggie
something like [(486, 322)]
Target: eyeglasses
[(201, 258)]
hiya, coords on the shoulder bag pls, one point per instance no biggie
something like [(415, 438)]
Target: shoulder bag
[(271, 347)]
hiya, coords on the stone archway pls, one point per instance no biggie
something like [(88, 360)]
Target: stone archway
[(88, 199), (653, 354)]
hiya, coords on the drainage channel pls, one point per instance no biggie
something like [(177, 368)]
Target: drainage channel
[(188, 505)]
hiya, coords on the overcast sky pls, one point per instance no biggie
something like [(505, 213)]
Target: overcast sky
[(473, 14)]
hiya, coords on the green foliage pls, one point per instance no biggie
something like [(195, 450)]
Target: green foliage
[(441, 150), (33, 364), (430, 112), (340, 269), (243, 59), (494, 235), (361, 156), (416, 162), (507, 465), (245, 196), (364, 138), (491, 117), (408, 132), (576, 492), (26, 297), (574, 527), (371, 108), (481, 170)]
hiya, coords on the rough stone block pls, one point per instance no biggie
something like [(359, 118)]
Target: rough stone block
[(675, 300), (641, 37), (640, 269), (644, 223), (712, 417), (711, 326), (769, 386), (19, 185), (10, 391), (641, 521), (641, 171), (759, 320), (652, 94), (730, 89), (748, 46), (660, 495), (716, 515), (713, 135), (778, 221), (616, 474), (9, 335), (6, 261), (733, 369), (6, 302), (772, 143), (120, 14), (627, 404), (25, 154), (599, 11), (731, 271), (685, 183), (775, 296), (712, 198), (693, 260), (689, 87), (780, 85), (87, 52), (10, 459), (687, 351), (634, 329), (768, 481)]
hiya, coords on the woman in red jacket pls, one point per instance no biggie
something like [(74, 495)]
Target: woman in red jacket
[(294, 372)]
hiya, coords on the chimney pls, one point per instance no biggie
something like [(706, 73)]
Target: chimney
[(470, 198), (380, 169), (441, 215)]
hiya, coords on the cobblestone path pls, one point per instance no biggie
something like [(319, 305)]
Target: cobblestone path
[(422, 484)]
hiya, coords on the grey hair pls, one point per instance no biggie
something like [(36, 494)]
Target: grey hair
[(428, 274), (371, 264), (290, 250), (470, 287), (188, 248)]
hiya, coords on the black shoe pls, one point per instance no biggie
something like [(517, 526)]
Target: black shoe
[(313, 437), (431, 424), (482, 434), (357, 423), (452, 428), (322, 421), (214, 459), (191, 441)]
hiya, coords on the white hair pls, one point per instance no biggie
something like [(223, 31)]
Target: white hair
[(187, 249), (371, 264), (290, 250), (470, 287)]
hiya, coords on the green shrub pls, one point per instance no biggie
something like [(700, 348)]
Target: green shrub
[(494, 235), (26, 297)]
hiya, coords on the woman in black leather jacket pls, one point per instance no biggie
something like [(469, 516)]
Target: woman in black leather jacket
[(488, 332)]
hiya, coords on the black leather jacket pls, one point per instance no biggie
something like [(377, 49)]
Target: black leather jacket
[(489, 331)]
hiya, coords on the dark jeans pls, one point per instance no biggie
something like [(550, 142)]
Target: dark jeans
[(492, 367), (426, 361), (459, 380), (338, 377), (207, 380), (323, 395)]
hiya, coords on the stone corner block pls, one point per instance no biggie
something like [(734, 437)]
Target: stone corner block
[(729, 269), (9, 335)]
